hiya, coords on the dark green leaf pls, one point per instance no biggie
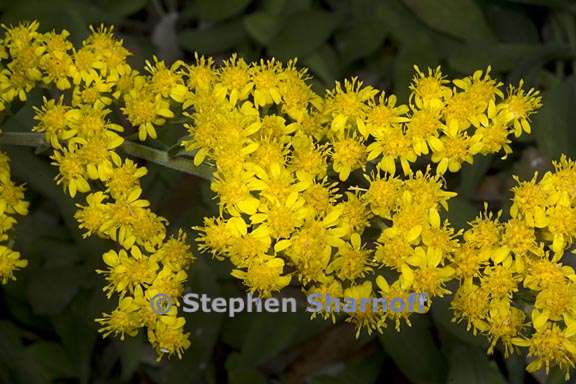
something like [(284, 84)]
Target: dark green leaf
[(78, 330), (364, 369), (516, 367), (269, 334), (246, 376), (51, 358), (469, 57), (262, 26), (470, 365), (546, 3), (361, 40), (512, 24), (215, 10), (554, 123), (133, 351), (303, 32), (472, 174), (325, 64), (415, 344), (285, 7), (51, 290), (460, 212), (460, 18), (121, 8), (14, 363), (218, 38), (403, 24)]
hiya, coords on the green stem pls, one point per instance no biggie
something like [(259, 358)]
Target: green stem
[(130, 148)]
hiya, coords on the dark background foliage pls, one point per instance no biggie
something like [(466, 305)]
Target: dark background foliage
[(47, 329)]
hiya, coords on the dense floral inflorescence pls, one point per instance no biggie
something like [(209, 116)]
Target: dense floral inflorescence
[(516, 286), (92, 80), (12, 204), (330, 192)]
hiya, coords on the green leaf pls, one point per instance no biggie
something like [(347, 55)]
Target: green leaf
[(51, 290), (516, 368), (270, 334), (462, 19), (512, 24), (303, 32), (51, 358), (122, 8), (460, 212), (415, 344), (262, 26), (286, 7), (470, 365), (472, 174), (78, 330), (361, 369), (469, 57), (361, 40), (16, 366), (133, 351), (364, 369), (218, 38), (554, 123), (403, 24), (325, 64), (215, 10), (546, 3), (246, 376)]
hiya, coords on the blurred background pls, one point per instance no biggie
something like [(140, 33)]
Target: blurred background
[(47, 328)]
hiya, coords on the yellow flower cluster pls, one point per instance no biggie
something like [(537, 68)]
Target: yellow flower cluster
[(12, 203), (309, 188), (515, 288), (300, 178), (92, 80)]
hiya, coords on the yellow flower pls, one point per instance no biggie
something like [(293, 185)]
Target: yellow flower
[(429, 89), (550, 346), (471, 303), (128, 271), (352, 260), (363, 318), (73, 173), (167, 336), (347, 102), (123, 320), (201, 74), (505, 323), (450, 152), (233, 80), (264, 276), (145, 109), (429, 275), (10, 262), (518, 107), (349, 154), (265, 76), (383, 116), (167, 82)]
